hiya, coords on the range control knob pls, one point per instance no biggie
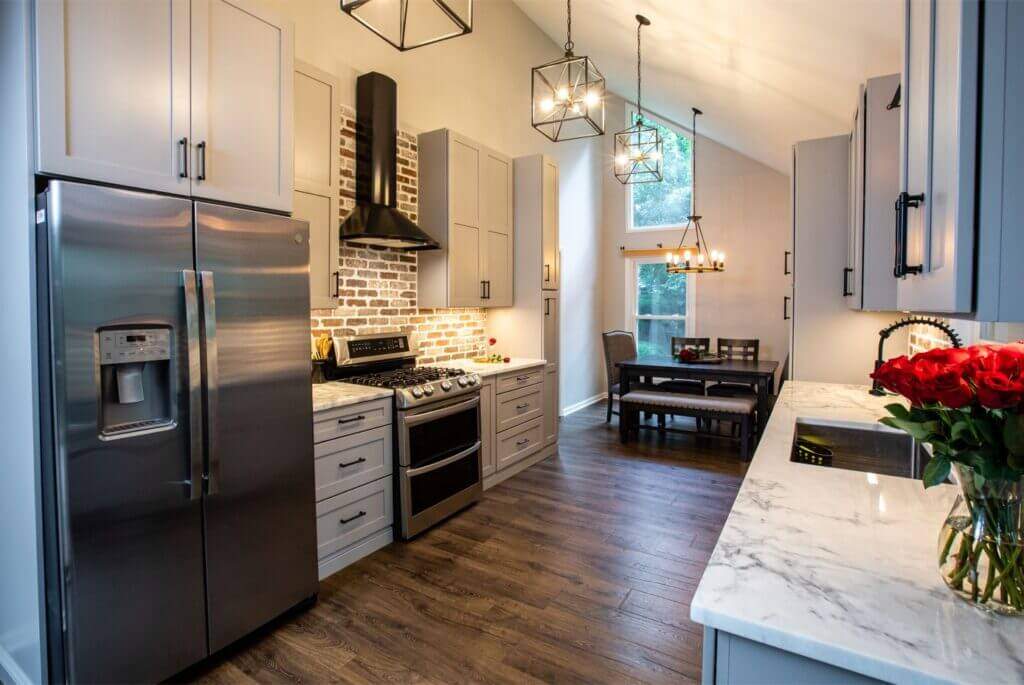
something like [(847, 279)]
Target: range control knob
[(417, 392), (428, 390), (446, 385), (463, 381), (473, 380)]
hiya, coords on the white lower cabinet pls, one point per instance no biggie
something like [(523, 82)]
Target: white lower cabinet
[(515, 422), (354, 488)]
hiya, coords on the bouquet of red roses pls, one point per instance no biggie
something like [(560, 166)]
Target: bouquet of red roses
[(965, 403)]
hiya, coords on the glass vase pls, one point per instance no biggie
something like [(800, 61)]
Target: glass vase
[(981, 545)]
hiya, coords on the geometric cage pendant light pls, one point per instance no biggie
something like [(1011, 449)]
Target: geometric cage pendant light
[(638, 148), (698, 259), (567, 94), (410, 24)]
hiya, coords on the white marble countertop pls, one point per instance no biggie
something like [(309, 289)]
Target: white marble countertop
[(841, 566), (338, 394), (514, 364)]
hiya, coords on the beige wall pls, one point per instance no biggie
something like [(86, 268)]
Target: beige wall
[(745, 206), (479, 85)]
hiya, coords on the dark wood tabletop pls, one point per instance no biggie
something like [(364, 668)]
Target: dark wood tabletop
[(741, 367)]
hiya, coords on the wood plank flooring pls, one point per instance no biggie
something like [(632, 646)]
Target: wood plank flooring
[(578, 570)]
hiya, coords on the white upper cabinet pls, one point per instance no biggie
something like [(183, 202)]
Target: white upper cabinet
[(466, 205), (549, 227), (113, 91), (178, 96), (868, 280), (935, 227), (242, 80), (317, 141)]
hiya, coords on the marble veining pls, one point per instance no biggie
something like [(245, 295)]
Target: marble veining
[(841, 566), (337, 394), (483, 370)]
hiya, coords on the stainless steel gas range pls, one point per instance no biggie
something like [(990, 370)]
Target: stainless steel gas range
[(436, 424)]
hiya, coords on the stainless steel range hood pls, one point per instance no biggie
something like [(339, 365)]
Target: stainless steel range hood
[(376, 221)]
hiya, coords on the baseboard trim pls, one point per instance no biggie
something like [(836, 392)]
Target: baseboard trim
[(583, 404), (331, 564)]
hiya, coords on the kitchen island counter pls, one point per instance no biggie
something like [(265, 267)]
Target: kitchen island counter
[(840, 567)]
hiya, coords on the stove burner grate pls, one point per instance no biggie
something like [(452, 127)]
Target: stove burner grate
[(404, 378)]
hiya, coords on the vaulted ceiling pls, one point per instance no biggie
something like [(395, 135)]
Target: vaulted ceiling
[(766, 73)]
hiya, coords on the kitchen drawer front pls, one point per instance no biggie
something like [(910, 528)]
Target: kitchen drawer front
[(351, 461), (519, 406), (519, 442), (335, 423), (351, 516), (520, 379)]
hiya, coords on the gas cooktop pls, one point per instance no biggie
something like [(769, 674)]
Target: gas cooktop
[(405, 378)]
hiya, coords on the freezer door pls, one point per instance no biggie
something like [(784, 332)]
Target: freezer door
[(130, 524), (260, 506)]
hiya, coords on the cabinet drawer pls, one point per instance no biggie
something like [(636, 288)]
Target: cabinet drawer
[(520, 379), (519, 442), (351, 516), (351, 461), (336, 423), (519, 406)]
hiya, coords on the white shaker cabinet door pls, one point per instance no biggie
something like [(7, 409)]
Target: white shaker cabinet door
[(939, 127), (113, 91), (242, 109)]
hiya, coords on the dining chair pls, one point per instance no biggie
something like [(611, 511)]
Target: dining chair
[(618, 346), (744, 349), (688, 387)]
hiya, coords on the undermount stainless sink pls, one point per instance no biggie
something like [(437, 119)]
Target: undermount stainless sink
[(858, 447)]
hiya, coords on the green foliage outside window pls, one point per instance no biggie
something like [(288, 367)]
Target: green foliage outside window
[(666, 203), (659, 294)]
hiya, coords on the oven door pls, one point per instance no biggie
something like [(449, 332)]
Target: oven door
[(440, 470)]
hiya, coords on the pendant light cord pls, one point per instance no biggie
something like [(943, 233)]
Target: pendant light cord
[(693, 166), (568, 29), (639, 107)]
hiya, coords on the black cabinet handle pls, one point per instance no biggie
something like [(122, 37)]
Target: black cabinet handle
[(352, 518), (488, 289), (344, 465), (520, 443), (847, 271), (183, 158), (547, 273), (785, 307), (523, 405), (547, 306), (785, 263), (903, 202), (201, 153), (351, 419), (337, 284), (483, 290)]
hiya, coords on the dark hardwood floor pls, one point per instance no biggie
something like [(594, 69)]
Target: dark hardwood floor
[(580, 569)]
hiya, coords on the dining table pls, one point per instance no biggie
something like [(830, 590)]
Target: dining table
[(760, 373)]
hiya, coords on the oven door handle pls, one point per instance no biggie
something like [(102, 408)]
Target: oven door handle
[(417, 419), (412, 473)]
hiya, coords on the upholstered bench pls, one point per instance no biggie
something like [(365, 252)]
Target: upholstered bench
[(737, 409)]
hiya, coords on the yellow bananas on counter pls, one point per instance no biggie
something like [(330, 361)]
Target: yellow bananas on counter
[(322, 347)]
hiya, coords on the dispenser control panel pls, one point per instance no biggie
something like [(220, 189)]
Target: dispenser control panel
[(126, 346)]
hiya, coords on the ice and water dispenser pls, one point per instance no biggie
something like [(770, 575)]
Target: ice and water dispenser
[(135, 380)]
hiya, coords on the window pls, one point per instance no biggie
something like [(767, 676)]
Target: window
[(661, 306), (665, 204)]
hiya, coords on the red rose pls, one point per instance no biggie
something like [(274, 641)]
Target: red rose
[(996, 390), (492, 341), (898, 375), (949, 387), (686, 355), (946, 356)]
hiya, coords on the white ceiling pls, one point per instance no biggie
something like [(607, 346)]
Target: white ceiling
[(766, 73)]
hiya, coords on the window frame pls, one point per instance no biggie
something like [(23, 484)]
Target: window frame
[(678, 130), (633, 317)]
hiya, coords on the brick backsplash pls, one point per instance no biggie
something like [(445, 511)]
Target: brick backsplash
[(378, 287), (922, 338)]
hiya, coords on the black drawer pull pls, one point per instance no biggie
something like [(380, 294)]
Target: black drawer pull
[(520, 443), (343, 465), (520, 379), (183, 159), (847, 272), (201, 153), (524, 405), (351, 419), (352, 518)]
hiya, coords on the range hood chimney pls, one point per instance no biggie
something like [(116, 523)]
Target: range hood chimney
[(376, 221)]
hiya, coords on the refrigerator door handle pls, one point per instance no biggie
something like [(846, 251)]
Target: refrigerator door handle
[(195, 397), (212, 384)]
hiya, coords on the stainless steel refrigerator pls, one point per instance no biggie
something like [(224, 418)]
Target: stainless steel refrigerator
[(178, 419)]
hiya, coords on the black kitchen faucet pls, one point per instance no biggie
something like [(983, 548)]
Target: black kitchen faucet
[(954, 337)]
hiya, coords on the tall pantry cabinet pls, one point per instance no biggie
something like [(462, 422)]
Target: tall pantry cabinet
[(531, 327), (190, 97)]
